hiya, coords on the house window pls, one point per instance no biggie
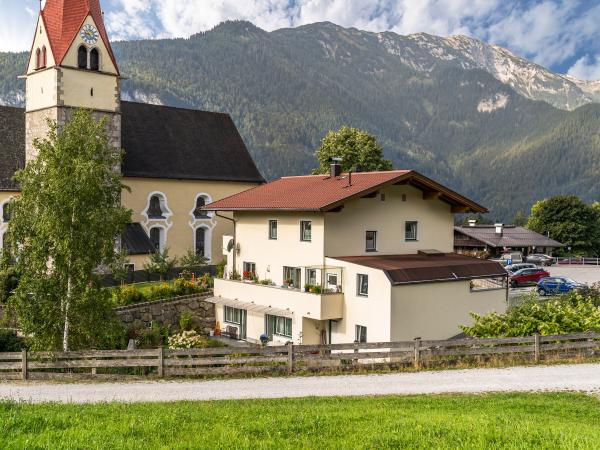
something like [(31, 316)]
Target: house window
[(311, 276), (94, 59), (201, 201), (410, 231), (201, 241), (249, 270), (82, 57), (362, 285), (291, 276), (273, 229), (278, 325), (155, 208), (305, 230), (371, 241), (44, 56), (232, 315), (157, 238), (38, 59), (360, 333)]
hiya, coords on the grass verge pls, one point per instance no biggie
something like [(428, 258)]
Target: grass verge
[(548, 421)]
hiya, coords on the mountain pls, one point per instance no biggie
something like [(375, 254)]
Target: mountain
[(494, 126)]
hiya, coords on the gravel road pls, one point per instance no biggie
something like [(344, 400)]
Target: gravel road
[(577, 377)]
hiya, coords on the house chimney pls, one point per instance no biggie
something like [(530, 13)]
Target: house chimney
[(335, 167), (472, 222), (499, 228)]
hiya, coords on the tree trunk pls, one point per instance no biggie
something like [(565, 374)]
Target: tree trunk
[(67, 320)]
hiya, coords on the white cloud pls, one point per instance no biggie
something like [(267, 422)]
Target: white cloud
[(586, 68)]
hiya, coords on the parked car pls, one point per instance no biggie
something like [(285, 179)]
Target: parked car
[(557, 285), (540, 259), (510, 258), (516, 267), (527, 276)]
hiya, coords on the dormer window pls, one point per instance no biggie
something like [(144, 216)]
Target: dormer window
[(94, 59), (155, 209), (82, 57)]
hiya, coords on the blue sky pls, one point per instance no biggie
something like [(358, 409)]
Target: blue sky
[(560, 34)]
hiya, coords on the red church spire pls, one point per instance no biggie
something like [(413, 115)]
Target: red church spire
[(64, 18)]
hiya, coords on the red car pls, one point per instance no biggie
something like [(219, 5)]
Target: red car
[(527, 276)]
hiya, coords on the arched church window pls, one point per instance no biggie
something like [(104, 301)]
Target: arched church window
[(157, 238), (44, 56), (201, 241), (155, 208), (94, 59), (6, 212), (38, 58), (200, 202), (82, 57)]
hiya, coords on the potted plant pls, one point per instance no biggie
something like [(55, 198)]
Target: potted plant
[(307, 287), (289, 282)]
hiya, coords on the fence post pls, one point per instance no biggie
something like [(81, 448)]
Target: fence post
[(417, 356), (290, 362), (24, 374), (536, 348), (161, 362), (355, 360)]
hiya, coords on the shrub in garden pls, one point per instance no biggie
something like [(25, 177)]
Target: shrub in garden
[(186, 321), (188, 339), (571, 313), (160, 291), (181, 286), (149, 337), (10, 342), (128, 295), (9, 280), (221, 269)]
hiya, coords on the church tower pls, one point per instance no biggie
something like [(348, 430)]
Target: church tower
[(71, 66)]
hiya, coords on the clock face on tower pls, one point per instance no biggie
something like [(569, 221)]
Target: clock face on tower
[(89, 34)]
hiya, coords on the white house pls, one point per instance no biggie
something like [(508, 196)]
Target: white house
[(343, 257)]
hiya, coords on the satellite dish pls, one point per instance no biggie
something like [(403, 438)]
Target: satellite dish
[(230, 246)]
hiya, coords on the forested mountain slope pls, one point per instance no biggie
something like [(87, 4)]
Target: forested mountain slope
[(442, 112)]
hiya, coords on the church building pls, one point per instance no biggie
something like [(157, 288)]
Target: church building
[(176, 160)]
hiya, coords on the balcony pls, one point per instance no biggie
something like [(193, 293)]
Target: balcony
[(321, 306)]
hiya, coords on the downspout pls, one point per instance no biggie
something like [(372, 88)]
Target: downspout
[(234, 238)]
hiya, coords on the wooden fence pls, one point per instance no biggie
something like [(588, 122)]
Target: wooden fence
[(289, 358)]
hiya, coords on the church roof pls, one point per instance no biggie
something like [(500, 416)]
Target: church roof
[(166, 142), (64, 18), (159, 142)]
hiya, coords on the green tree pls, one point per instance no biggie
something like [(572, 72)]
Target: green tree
[(358, 149), (568, 220), (191, 261), (520, 219), (120, 266), (160, 263), (65, 222)]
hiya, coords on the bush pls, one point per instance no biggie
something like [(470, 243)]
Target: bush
[(188, 339), (221, 269), (9, 280), (571, 313), (160, 291), (186, 321), (10, 342), (181, 286), (128, 295), (149, 337)]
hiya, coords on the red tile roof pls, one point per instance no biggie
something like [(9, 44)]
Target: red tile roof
[(64, 18), (323, 193), (407, 269)]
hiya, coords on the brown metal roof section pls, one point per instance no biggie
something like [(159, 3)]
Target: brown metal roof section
[(325, 193), (427, 268), (511, 236)]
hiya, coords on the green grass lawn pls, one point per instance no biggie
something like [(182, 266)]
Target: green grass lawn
[(520, 421), (145, 288)]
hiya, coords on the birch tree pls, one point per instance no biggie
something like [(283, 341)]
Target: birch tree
[(63, 227)]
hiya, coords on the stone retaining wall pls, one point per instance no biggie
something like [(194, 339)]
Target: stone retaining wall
[(167, 312)]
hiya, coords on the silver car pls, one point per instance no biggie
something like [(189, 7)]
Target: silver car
[(514, 267), (540, 259)]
